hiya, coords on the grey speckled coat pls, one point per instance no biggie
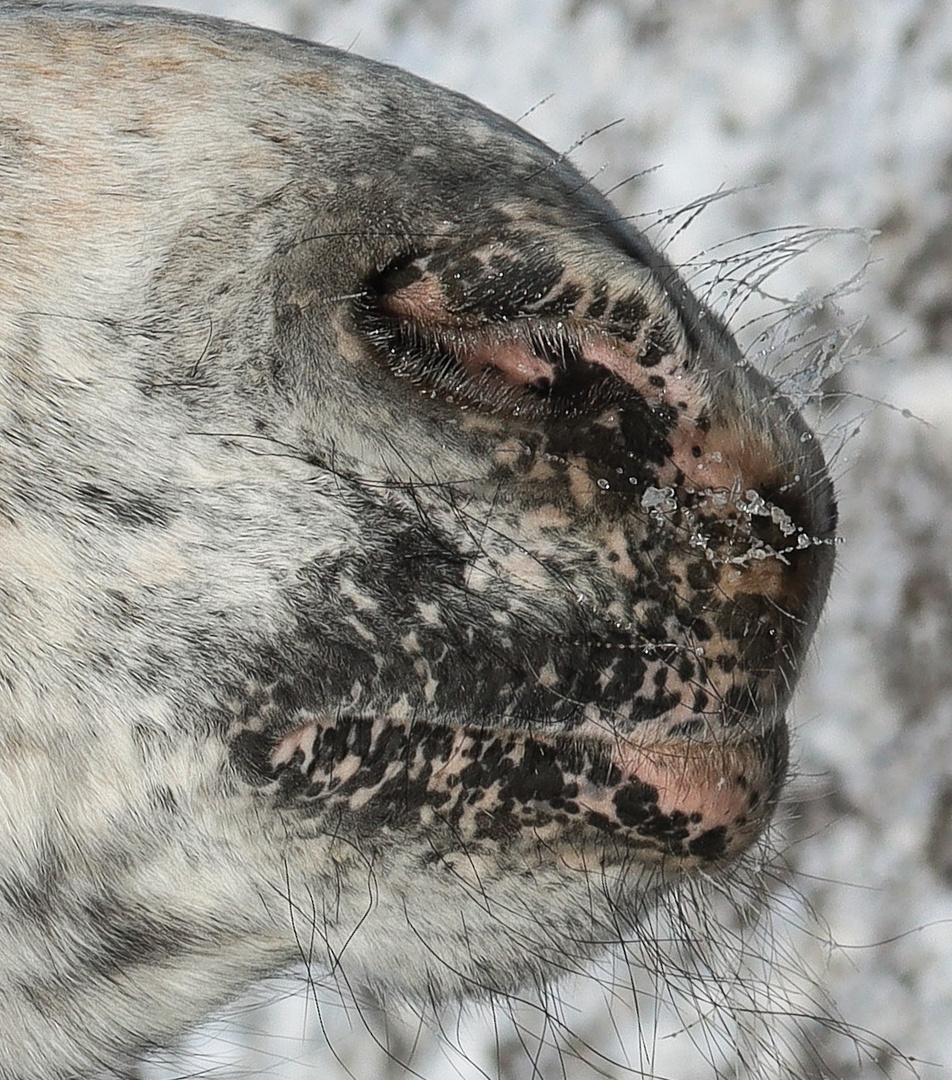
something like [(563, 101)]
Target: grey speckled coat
[(394, 555)]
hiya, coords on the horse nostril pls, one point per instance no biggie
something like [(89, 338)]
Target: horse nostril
[(550, 356), (620, 395)]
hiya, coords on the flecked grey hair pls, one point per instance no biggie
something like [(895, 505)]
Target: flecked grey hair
[(375, 503)]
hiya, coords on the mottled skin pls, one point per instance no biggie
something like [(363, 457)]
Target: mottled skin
[(394, 554)]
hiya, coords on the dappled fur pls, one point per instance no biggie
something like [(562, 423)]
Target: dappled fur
[(389, 541)]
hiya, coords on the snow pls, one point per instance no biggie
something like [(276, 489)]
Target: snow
[(831, 116)]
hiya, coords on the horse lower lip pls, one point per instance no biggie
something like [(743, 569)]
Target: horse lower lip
[(688, 802), (705, 801)]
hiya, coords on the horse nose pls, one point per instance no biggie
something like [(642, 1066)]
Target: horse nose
[(681, 501), (698, 485)]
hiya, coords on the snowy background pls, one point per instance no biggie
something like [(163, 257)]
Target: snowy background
[(833, 117)]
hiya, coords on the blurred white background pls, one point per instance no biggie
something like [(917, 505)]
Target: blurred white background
[(826, 116)]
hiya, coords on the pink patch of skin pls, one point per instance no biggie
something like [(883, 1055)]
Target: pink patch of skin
[(421, 300), (517, 363), (300, 740), (710, 780)]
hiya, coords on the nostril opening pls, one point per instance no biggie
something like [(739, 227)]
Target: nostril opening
[(400, 273)]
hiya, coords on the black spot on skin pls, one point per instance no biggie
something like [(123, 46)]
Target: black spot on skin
[(636, 803), (656, 350), (740, 703), (250, 753), (596, 309), (627, 315), (505, 288), (602, 822), (686, 729), (644, 430), (564, 302), (628, 674), (651, 707), (711, 844), (517, 284), (727, 662), (701, 574), (742, 619), (457, 276), (540, 775)]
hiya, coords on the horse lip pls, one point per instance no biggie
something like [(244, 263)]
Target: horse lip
[(717, 795), (687, 802)]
